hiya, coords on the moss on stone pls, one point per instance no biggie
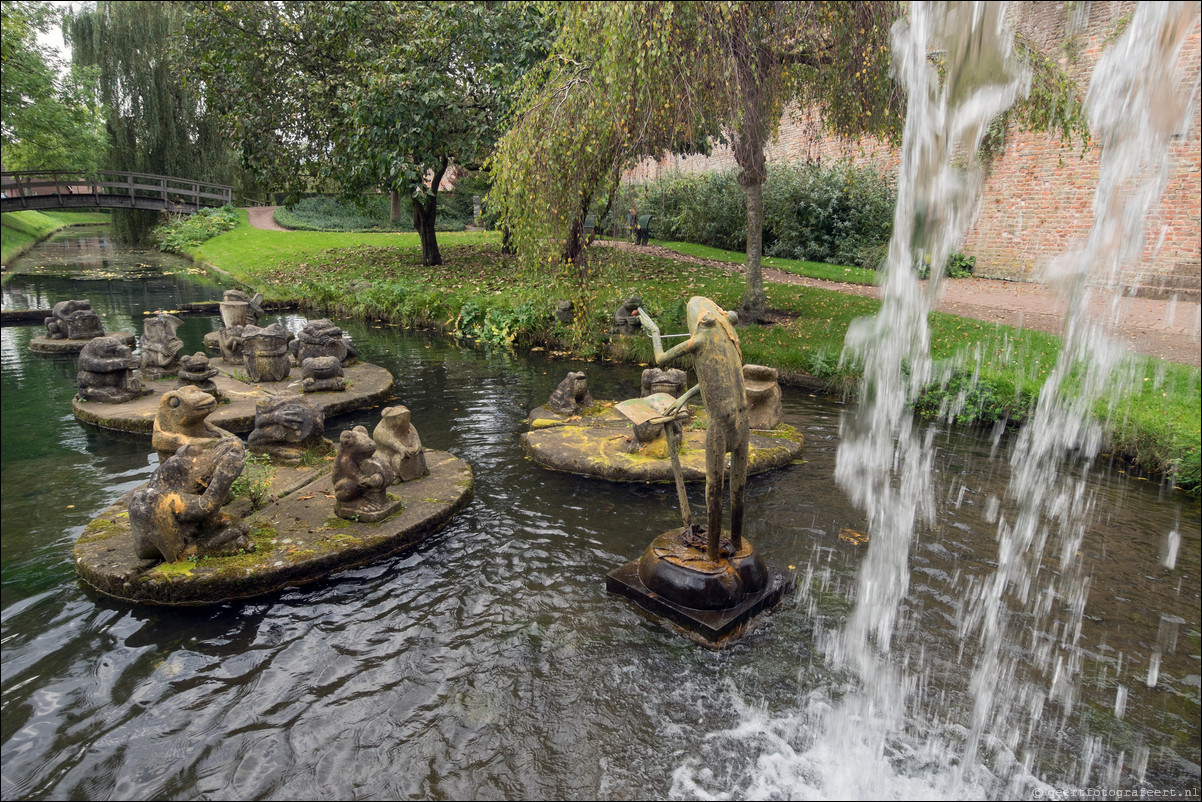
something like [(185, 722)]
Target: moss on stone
[(175, 570), (783, 431), (98, 530)]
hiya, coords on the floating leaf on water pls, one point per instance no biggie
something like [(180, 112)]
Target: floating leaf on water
[(853, 537)]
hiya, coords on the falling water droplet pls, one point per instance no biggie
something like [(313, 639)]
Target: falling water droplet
[(1120, 701), (1166, 634), (1154, 669), (1171, 542)]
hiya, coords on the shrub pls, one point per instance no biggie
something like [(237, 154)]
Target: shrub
[(839, 215), (705, 208), (957, 266), (183, 233), (371, 212)]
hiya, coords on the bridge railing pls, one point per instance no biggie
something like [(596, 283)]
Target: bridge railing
[(110, 188)]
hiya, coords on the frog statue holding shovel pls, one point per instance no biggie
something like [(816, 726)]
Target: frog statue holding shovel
[(718, 363), (709, 574)]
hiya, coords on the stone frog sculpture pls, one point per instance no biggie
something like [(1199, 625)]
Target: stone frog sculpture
[(286, 427), (360, 480), (571, 396), (718, 363), (180, 421), (160, 346), (764, 408), (626, 317), (672, 381), (178, 514), (73, 320), (265, 353), (322, 338), (195, 370), (398, 443), (322, 374), (106, 372)]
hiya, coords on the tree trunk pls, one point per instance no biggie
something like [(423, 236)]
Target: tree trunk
[(394, 205), (507, 245), (754, 299), (425, 214), (573, 247)]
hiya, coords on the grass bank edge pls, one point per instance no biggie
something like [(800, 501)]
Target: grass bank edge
[(1155, 426), (20, 231)]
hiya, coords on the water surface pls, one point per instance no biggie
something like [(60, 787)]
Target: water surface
[(491, 663)]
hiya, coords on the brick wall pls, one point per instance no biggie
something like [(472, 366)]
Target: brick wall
[(1038, 195)]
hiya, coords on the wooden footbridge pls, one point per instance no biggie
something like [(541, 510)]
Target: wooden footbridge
[(108, 189)]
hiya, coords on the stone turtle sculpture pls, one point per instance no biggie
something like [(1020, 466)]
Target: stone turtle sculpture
[(571, 396), (360, 480), (106, 372), (180, 421), (398, 443), (178, 514)]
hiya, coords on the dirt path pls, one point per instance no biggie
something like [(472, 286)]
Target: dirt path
[(1164, 329), (264, 217)]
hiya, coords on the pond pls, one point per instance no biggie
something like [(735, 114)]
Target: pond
[(491, 663)]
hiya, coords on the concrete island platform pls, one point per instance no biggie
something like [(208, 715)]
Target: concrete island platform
[(597, 442), (367, 386), (44, 346), (298, 539)]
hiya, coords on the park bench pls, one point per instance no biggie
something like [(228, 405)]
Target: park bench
[(590, 228)]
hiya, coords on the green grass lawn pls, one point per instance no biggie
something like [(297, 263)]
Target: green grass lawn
[(848, 275), (482, 293)]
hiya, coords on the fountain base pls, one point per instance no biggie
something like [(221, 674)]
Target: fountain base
[(712, 601)]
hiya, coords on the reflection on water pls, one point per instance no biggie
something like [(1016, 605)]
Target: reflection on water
[(491, 663), (124, 281)]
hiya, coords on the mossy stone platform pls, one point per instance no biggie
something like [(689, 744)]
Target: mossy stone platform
[(594, 443), (367, 386), (48, 347), (298, 539)]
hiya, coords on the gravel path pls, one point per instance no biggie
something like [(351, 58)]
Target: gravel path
[(1165, 329)]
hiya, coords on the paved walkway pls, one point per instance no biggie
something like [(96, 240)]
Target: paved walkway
[(1165, 329)]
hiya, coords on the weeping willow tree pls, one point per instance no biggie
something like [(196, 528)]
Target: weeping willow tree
[(155, 123), (614, 88), (629, 80)]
